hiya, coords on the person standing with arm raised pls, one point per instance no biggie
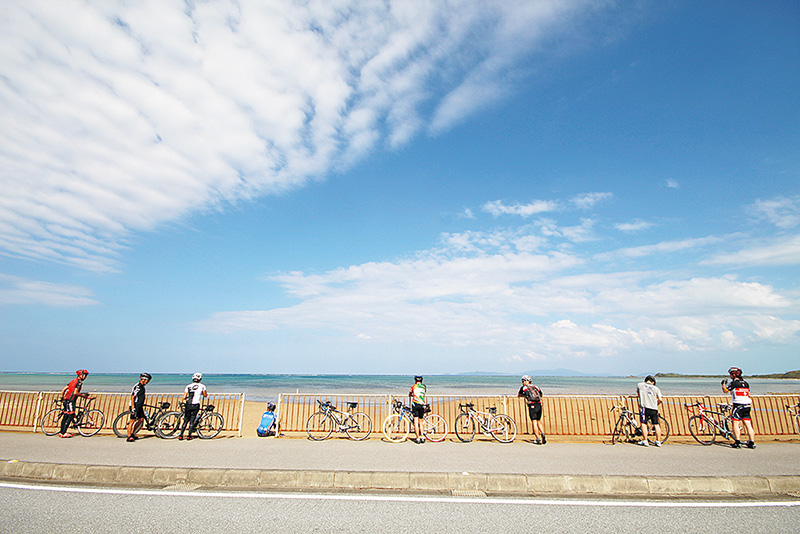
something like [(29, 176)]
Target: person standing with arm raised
[(417, 395), (740, 397)]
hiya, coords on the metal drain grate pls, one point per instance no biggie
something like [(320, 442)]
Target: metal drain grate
[(182, 486), (468, 493)]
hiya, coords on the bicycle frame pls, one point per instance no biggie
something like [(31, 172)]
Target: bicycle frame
[(335, 415), (719, 420)]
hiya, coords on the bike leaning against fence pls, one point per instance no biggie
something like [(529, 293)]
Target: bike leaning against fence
[(795, 414), (209, 423), (397, 426), (627, 428), (705, 425), (321, 424), (87, 422), (151, 415), (499, 426)]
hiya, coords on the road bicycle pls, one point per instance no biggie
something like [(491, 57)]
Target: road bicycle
[(397, 426), (209, 423), (705, 425), (151, 415), (628, 428), (501, 427), (87, 421), (321, 424), (795, 414)]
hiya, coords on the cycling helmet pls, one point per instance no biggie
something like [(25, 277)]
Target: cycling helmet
[(526, 378), (651, 379), (197, 377), (80, 372), (735, 372), (418, 378), (146, 375)]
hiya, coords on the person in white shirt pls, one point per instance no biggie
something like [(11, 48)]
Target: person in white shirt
[(193, 395), (649, 400)]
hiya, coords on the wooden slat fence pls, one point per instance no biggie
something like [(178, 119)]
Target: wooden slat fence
[(563, 415), (21, 410)]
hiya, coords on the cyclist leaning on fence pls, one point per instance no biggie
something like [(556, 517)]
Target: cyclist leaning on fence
[(69, 395), (417, 395), (137, 406), (533, 398), (740, 397), (649, 400), (193, 395)]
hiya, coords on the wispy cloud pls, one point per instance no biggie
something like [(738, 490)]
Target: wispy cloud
[(778, 251), (636, 225), (498, 208), (118, 116), (783, 212), (21, 291)]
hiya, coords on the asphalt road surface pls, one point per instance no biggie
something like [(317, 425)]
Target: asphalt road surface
[(56, 509)]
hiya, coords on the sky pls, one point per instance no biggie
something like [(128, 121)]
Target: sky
[(389, 187)]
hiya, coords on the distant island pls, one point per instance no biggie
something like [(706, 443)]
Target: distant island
[(790, 374)]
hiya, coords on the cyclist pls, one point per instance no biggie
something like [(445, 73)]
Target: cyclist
[(649, 400), (137, 406), (417, 395), (197, 392), (740, 397), (533, 397), (69, 395)]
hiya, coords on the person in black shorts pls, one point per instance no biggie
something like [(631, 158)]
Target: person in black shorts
[(137, 406), (740, 397), (533, 397), (69, 395), (417, 394)]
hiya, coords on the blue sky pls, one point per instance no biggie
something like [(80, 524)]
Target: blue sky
[(399, 187)]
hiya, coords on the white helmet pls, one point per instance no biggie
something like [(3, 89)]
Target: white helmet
[(197, 377), (526, 378)]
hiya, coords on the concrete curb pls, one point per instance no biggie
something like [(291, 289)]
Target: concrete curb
[(403, 481)]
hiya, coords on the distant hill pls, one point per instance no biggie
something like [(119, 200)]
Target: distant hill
[(790, 374), (535, 372)]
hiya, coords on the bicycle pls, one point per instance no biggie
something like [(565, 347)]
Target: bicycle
[(320, 425), (397, 426), (87, 421), (209, 423), (631, 429), (501, 427), (120, 424), (705, 425)]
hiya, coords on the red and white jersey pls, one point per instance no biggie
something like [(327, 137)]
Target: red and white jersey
[(740, 391)]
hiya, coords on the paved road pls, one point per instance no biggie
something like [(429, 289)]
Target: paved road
[(34, 508), (377, 455)]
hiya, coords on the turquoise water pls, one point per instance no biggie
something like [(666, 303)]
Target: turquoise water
[(267, 387)]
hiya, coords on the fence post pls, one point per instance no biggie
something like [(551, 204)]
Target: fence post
[(38, 410), (241, 414), (278, 416)]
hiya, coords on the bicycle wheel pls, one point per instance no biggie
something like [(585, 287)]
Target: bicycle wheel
[(358, 426), (396, 428), (120, 424), (797, 423), (167, 425), (703, 431), (51, 422), (319, 426), (464, 427), (616, 434), (210, 425), (504, 429), (434, 427), (91, 422), (651, 433)]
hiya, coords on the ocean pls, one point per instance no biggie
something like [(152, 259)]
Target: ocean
[(267, 387)]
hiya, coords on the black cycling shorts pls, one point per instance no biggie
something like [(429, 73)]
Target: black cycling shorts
[(741, 412), (418, 410), (137, 412), (535, 411), (649, 415)]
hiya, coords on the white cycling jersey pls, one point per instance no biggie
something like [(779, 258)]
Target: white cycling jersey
[(195, 391)]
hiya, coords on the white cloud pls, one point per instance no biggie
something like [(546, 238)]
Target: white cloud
[(659, 248), (588, 200), (21, 291), (783, 212), (672, 184), (116, 116), (482, 290), (784, 250), (637, 225), (498, 208)]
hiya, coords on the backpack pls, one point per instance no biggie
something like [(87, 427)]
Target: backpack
[(533, 394)]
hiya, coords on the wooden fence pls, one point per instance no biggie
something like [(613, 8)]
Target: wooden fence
[(563, 415), (21, 410)]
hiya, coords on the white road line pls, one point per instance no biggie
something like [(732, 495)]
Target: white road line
[(526, 501)]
